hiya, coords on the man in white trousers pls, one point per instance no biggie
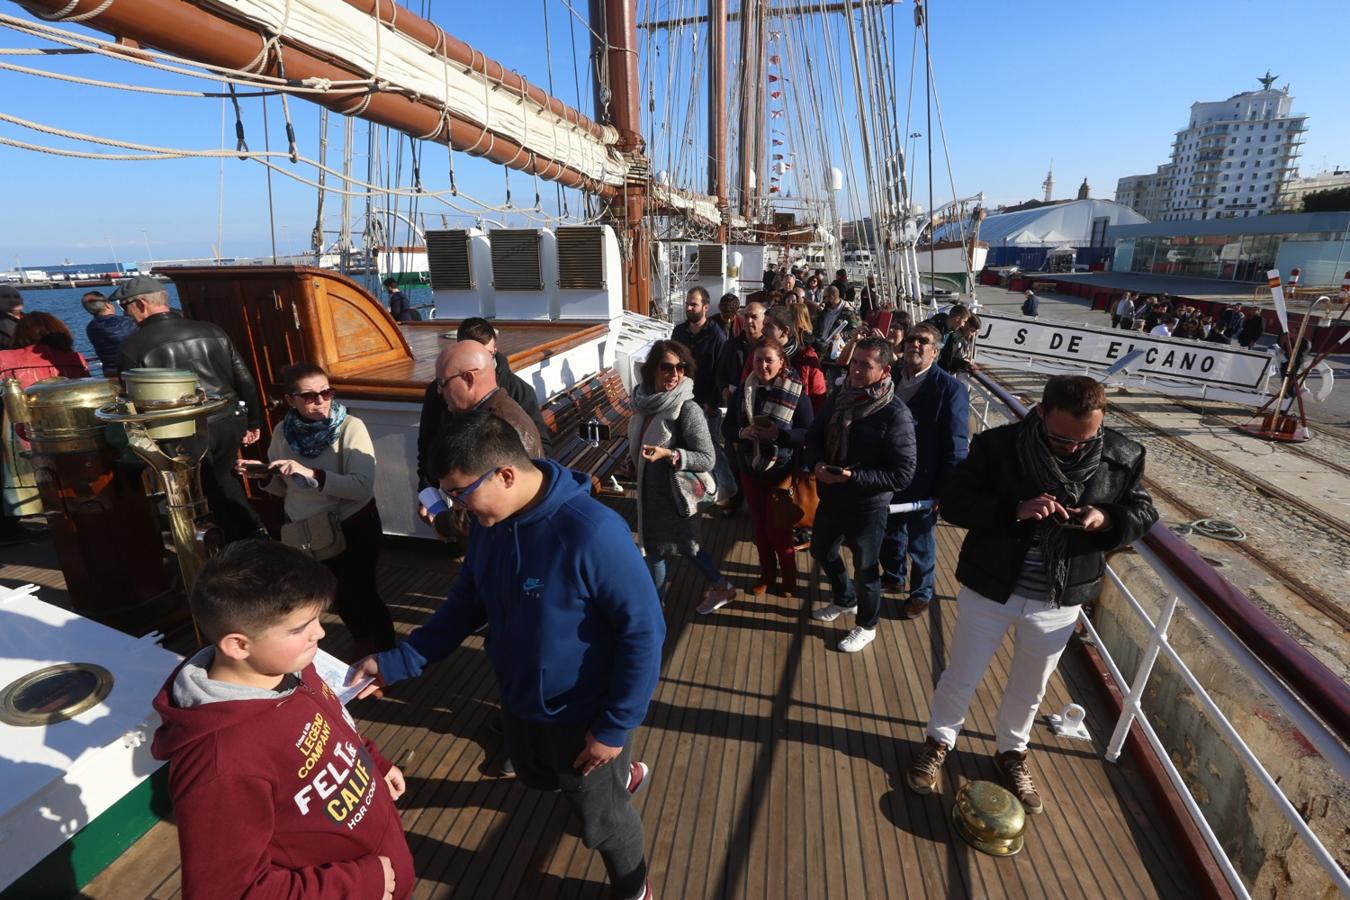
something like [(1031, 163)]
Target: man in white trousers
[(1043, 500)]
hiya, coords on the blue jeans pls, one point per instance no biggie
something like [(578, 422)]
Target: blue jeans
[(657, 565), (836, 525), (911, 534)]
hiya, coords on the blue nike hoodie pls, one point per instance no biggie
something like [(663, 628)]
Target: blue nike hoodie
[(576, 628)]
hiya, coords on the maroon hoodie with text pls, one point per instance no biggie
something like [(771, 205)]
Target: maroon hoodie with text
[(274, 792)]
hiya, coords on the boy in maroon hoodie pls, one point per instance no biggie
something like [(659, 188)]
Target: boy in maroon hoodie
[(274, 792)]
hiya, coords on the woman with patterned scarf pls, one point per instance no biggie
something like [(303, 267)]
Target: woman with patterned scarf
[(667, 433), (322, 460), (766, 422)]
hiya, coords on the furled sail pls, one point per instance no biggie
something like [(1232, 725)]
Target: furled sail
[(339, 31)]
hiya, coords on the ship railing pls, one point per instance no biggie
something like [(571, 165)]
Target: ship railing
[(1313, 698)]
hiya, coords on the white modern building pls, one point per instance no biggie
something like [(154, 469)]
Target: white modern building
[(1233, 159)]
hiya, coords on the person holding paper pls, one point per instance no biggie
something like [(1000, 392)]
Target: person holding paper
[(574, 635)]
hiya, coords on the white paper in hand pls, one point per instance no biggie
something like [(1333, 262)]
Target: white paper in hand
[(334, 671)]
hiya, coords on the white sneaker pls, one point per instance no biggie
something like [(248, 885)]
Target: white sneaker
[(832, 612), (857, 639)]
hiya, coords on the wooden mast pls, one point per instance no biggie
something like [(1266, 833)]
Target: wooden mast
[(717, 110), (746, 116), (625, 116)]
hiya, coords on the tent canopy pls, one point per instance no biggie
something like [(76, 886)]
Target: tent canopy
[(1047, 226)]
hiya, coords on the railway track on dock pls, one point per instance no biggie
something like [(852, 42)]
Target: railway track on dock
[(1322, 435), (1316, 598)]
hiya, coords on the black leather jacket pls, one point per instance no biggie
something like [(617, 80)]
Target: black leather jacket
[(169, 341), (984, 492)]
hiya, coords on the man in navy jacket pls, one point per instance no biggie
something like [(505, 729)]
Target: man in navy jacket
[(940, 406), (862, 449), (575, 632)]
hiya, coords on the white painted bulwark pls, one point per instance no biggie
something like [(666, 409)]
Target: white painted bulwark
[(1019, 337), (60, 777)]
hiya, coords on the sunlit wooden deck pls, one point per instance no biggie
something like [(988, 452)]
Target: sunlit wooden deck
[(777, 768)]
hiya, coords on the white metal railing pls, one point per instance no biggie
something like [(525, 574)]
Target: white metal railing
[(1323, 740)]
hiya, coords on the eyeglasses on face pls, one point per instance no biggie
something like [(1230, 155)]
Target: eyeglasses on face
[(443, 383), (315, 396), (917, 339), (666, 368), (459, 495), (1062, 441)]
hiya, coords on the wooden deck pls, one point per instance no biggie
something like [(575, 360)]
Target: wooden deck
[(777, 767)]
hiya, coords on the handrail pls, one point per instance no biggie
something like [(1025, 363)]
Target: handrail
[(1313, 683)]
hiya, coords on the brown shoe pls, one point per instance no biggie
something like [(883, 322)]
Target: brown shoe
[(788, 587), (922, 775), (1013, 767), (760, 587), (914, 607)]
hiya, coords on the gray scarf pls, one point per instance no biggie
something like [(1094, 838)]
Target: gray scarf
[(851, 405), (1065, 479), (653, 422)]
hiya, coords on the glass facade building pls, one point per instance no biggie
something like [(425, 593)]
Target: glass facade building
[(1238, 249)]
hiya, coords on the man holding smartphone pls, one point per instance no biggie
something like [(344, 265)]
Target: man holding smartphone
[(1043, 500), (862, 449)]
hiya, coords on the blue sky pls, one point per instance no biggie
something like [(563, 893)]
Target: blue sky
[(1099, 88)]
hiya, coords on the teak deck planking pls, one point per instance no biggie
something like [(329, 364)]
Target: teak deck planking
[(777, 765)]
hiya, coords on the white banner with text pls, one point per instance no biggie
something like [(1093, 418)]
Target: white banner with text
[(1202, 362)]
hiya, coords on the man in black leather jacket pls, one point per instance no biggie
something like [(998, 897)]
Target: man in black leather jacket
[(1043, 500), (861, 447), (164, 339)]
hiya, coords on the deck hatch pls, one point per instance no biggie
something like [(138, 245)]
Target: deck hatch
[(709, 260), (448, 260), (581, 258), (515, 259)]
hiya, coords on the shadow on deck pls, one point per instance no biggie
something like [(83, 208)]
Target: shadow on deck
[(777, 765)]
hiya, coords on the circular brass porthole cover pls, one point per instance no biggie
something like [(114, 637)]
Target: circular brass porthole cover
[(54, 694)]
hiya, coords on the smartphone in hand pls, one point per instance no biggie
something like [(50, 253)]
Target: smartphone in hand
[(256, 469), (834, 470)]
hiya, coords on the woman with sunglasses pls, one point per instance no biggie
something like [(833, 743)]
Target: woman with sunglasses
[(667, 432), (323, 461), (766, 423)]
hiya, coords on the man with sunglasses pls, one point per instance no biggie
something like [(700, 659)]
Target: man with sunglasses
[(466, 379), (164, 339), (940, 406), (1043, 501), (575, 630)]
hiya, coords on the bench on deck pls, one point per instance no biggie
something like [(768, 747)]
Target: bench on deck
[(601, 397)]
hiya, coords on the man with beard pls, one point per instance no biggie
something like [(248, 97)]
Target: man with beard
[(704, 339)]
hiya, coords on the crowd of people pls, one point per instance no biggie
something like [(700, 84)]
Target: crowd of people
[(1167, 317), (808, 387)]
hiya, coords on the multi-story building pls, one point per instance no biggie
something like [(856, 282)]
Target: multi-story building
[(1146, 194), (1233, 159), (1291, 200)]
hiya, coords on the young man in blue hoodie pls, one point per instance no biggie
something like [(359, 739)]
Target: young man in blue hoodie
[(575, 632)]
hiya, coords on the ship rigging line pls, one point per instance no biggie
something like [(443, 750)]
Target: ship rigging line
[(262, 158), (146, 57)]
